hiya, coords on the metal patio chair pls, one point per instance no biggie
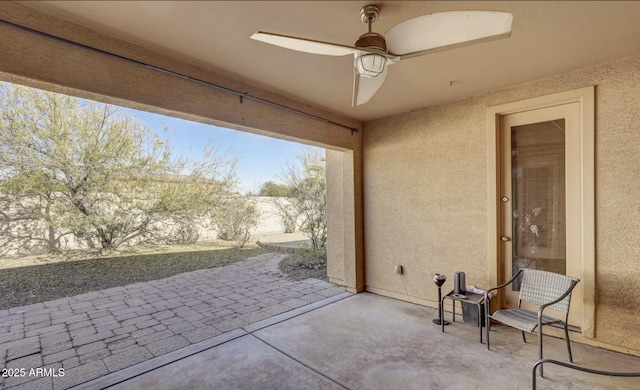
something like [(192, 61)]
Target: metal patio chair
[(579, 368), (543, 289)]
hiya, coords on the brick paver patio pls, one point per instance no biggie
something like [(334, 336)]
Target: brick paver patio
[(94, 334)]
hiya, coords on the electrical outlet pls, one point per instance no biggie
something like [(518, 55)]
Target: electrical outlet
[(398, 269)]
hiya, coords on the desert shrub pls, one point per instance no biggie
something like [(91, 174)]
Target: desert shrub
[(185, 234), (308, 199), (234, 218), (287, 213)]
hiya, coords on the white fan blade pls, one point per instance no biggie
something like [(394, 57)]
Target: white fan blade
[(446, 30), (365, 87), (304, 45)]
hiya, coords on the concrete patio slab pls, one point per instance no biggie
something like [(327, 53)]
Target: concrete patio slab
[(243, 363), (372, 342), (285, 242)]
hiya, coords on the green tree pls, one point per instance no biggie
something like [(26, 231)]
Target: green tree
[(272, 189), (308, 200), (31, 224), (71, 166)]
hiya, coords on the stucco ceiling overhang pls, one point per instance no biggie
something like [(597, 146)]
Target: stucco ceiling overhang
[(547, 38)]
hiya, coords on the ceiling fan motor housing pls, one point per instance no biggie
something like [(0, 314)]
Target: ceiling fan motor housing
[(372, 60), (371, 40), (369, 13)]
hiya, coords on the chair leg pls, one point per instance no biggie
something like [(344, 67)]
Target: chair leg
[(524, 337), (566, 336), (487, 323), (540, 350)]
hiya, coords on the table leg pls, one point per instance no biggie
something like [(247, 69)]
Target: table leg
[(480, 321), (441, 312), (453, 302)]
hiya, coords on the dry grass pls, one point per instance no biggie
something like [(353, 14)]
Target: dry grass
[(84, 254), (27, 280)]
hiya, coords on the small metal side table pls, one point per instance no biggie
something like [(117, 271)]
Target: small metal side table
[(475, 299)]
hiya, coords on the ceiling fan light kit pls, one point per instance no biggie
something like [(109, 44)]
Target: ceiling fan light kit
[(370, 64), (374, 52)]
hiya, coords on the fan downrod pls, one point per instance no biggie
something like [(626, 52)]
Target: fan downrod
[(369, 13)]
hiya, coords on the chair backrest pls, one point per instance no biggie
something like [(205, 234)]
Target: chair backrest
[(540, 287)]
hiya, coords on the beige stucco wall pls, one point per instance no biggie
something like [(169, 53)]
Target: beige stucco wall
[(335, 210), (344, 254), (425, 191)]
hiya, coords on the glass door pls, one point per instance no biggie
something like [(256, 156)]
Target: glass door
[(534, 197), (538, 197)]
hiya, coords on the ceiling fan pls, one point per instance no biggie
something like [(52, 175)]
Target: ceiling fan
[(374, 52)]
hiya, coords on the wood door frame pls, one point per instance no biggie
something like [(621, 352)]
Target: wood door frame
[(586, 99)]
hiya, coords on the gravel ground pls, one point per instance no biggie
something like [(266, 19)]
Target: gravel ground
[(39, 283)]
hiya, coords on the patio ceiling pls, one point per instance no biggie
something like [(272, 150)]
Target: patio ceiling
[(548, 38)]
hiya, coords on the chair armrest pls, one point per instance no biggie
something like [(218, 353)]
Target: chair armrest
[(504, 285), (487, 294)]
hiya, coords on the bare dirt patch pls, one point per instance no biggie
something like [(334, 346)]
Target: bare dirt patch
[(304, 264)]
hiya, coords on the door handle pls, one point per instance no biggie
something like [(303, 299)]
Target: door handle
[(505, 238)]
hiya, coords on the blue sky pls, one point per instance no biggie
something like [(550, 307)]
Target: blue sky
[(260, 158)]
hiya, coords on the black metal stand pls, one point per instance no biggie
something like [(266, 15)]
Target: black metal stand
[(440, 320)]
